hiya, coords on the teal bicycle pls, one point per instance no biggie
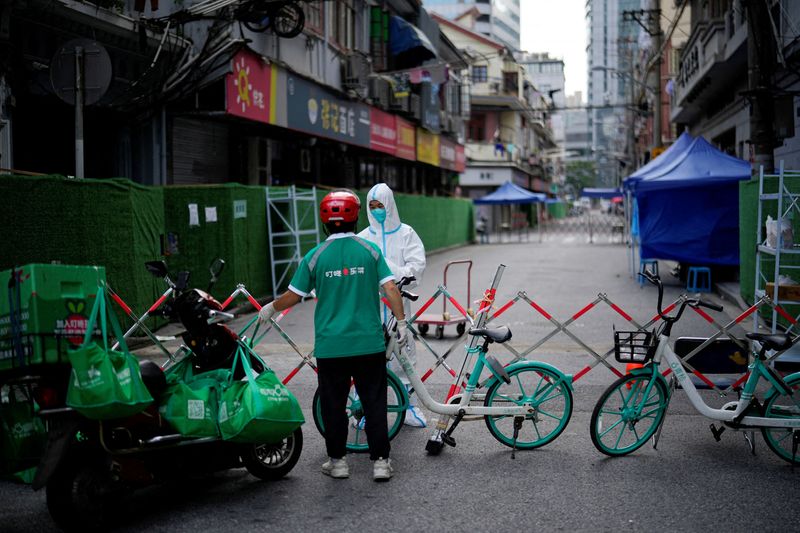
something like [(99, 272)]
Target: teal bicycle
[(526, 404), (633, 408)]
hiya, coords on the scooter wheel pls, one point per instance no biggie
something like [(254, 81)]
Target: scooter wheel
[(271, 462), (423, 329), (81, 494)]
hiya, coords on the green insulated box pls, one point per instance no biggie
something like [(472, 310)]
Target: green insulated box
[(44, 310)]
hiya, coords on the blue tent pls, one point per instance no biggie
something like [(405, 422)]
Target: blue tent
[(689, 208), (656, 165), (508, 194)]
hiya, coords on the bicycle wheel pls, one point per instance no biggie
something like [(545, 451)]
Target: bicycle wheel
[(537, 386), (781, 440), (396, 405), (288, 20), (615, 427)]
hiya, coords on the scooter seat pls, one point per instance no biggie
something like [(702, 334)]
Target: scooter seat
[(772, 341), (153, 378), (498, 335)]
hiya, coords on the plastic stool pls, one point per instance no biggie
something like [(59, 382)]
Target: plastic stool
[(644, 263), (698, 279)]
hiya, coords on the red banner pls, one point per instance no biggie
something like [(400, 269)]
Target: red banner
[(247, 87), (461, 158), (406, 140), (382, 131)]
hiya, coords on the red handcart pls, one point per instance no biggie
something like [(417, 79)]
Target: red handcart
[(425, 320)]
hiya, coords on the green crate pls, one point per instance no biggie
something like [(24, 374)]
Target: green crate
[(54, 306)]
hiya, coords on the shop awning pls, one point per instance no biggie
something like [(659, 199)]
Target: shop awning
[(601, 193), (408, 44)]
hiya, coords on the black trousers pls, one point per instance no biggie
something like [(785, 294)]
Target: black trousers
[(368, 372)]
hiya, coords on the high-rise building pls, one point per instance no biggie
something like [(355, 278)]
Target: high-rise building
[(497, 19), (611, 48)]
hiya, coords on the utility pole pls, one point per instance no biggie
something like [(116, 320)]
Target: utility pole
[(761, 65), (650, 21)]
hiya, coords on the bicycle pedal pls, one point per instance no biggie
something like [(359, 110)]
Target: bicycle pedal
[(450, 441), (717, 432)]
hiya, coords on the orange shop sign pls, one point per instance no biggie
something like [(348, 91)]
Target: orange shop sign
[(247, 87)]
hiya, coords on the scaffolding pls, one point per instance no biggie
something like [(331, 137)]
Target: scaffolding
[(293, 227)]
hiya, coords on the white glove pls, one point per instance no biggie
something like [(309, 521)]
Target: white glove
[(267, 312), (402, 333)]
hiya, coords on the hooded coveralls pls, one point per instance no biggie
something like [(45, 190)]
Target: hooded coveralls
[(404, 253)]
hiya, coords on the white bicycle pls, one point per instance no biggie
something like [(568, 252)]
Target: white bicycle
[(633, 408)]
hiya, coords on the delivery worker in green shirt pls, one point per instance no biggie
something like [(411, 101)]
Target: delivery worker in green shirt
[(346, 271)]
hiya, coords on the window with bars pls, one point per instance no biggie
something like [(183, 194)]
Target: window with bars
[(480, 74), (315, 17), (343, 24)]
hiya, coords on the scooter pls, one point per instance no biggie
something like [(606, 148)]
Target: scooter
[(89, 466)]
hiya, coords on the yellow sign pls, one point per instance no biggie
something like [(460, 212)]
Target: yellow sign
[(657, 151), (427, 147)]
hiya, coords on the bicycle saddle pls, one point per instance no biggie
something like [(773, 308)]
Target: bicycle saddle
[(772, 341), (498, 335)]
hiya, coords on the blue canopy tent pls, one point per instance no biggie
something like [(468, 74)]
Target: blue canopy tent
[(689, 208), (511, 194), (656, 165)]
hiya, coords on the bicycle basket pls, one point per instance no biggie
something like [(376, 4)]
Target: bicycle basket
[(633, 346)]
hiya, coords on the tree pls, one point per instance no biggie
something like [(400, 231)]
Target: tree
[(580, 175)]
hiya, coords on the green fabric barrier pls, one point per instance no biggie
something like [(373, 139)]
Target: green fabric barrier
[(748, 213), (557, 210), (439, 221), (113, 223), (240, 238)]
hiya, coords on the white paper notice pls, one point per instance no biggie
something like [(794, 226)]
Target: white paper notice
[(211, 214), (194, 217)]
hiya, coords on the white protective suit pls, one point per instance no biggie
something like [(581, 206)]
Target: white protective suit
[(404, 253)]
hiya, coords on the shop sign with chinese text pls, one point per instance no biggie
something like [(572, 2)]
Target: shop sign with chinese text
[(315, 110)]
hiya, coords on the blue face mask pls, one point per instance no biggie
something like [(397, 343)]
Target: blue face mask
[(379, 214)]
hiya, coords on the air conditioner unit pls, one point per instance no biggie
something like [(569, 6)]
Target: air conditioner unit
[(357, 68), (379, 92)]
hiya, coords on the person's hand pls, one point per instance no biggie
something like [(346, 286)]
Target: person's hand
[(267, 312), (402, 333)]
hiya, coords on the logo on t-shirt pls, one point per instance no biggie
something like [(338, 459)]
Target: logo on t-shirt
[(352, 271)]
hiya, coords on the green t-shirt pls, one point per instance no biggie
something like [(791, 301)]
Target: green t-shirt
[(346, 272)]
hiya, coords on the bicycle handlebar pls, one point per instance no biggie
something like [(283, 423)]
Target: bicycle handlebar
[(692, 302)]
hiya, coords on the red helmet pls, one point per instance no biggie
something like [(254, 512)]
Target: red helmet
[(339, 206)]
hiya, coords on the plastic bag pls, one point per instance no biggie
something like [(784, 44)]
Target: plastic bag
[(786, 237)]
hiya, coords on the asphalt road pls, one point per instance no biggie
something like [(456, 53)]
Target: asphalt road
[(690, 483)]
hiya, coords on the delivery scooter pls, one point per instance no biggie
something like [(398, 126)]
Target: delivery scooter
[(90, 465)]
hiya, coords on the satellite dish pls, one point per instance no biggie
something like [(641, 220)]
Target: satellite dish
[(96, 71)]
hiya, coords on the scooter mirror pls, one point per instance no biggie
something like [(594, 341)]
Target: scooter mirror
[(157, 268), (216, 268), (183, 280)]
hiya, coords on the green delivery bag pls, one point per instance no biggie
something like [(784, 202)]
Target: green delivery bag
[(190, 402), (22, 435), (105, 383), (257, 409)]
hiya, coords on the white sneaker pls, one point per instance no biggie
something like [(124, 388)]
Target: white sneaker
[(336, 468), (415, 417), (382, 469)]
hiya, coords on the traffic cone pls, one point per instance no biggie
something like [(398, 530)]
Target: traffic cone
[(628, 368)]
